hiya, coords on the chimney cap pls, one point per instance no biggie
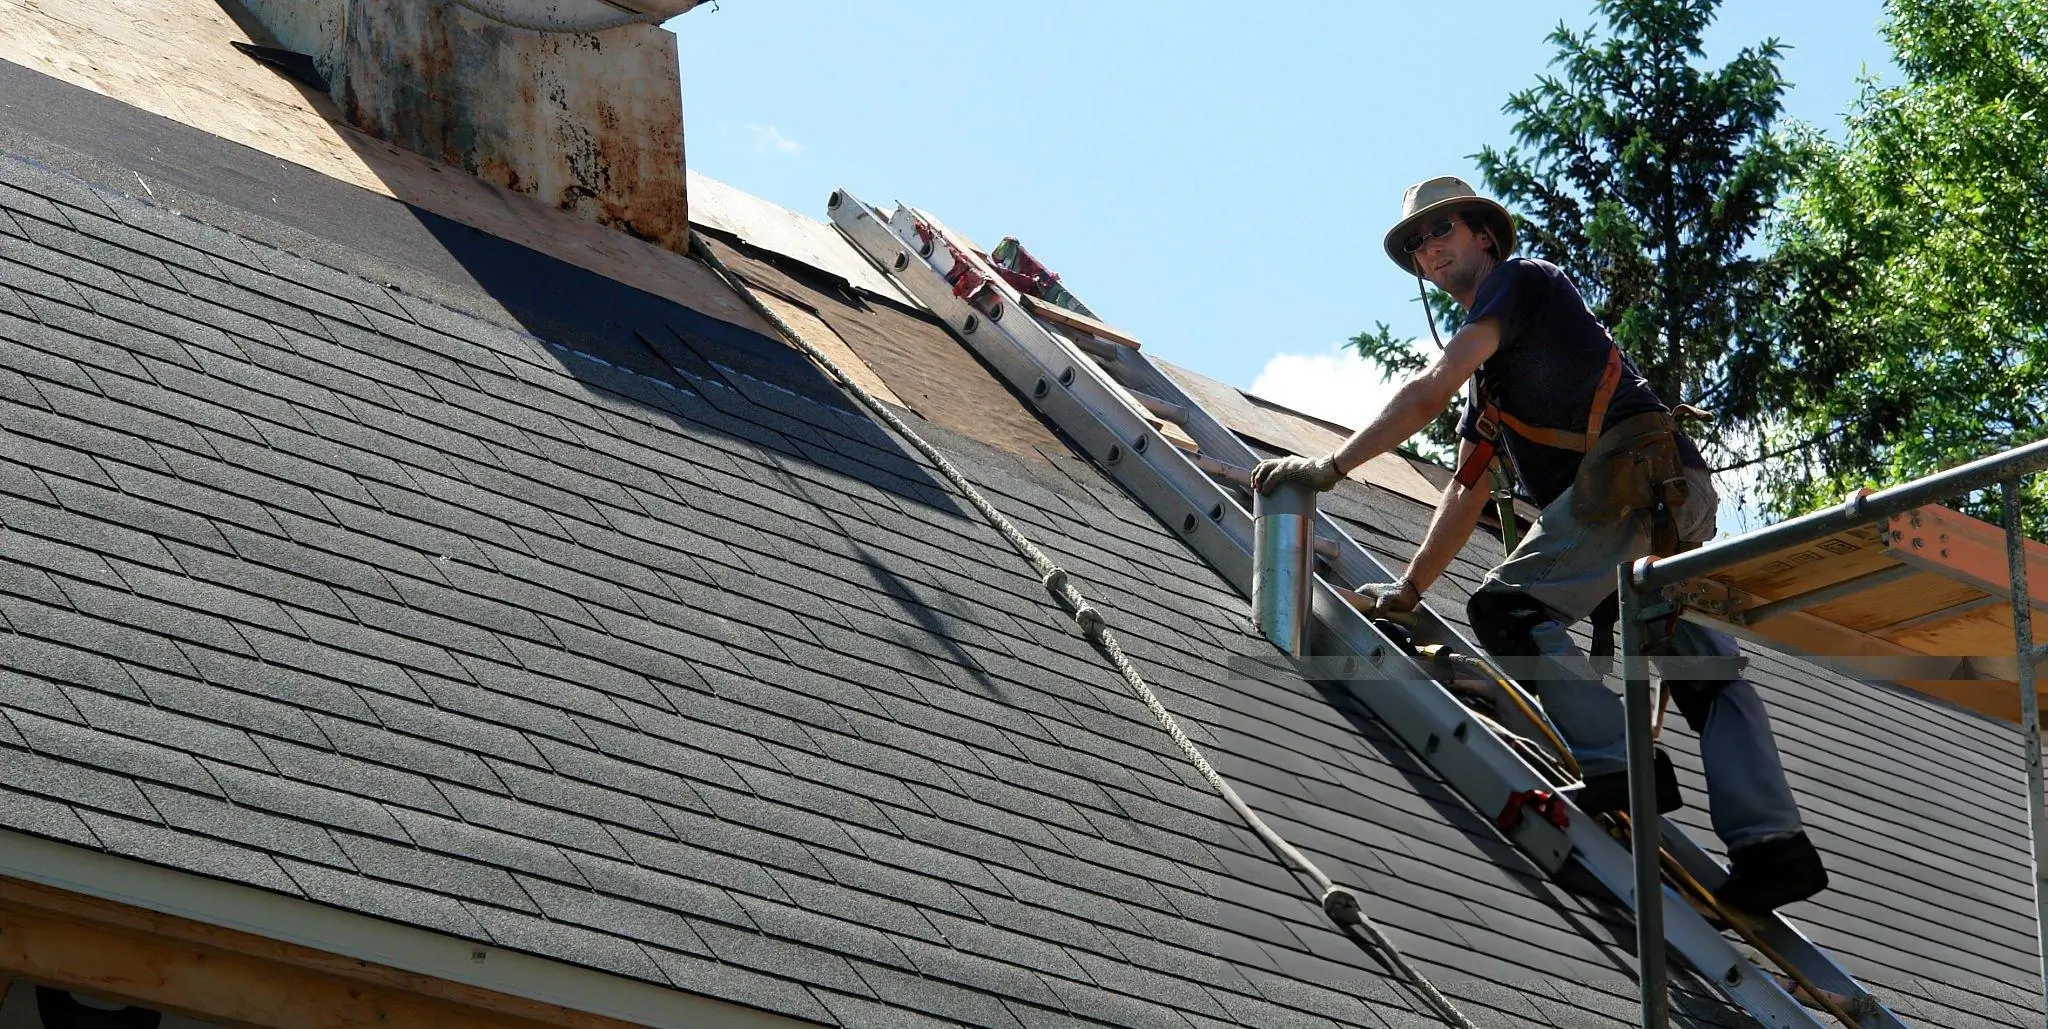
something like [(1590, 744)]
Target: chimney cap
[(665, 8)]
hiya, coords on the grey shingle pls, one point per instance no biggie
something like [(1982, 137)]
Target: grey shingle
[(520, 818), (120, 608), (836, 724), (428, 757), (253, 712), (456, 729), (63, 429), (44, 817), (40, 693), (209, 816), (771, 993), (356, 892), (412, 866), (308, 803), (132, 759), (814, 929), (601, 950), (346, 773), (936, 997), (524, 853), (169, 847), (699, 762), (669, 892), (50, 776), (590, 800), (749, 948)]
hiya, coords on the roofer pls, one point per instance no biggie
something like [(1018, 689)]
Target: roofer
[(1616, 481)]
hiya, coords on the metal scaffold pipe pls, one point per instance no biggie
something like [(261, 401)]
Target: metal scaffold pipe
[(1644, 840), (2030, 705)]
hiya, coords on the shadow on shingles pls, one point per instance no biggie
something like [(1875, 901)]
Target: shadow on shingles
[(718, 378), (904, 593)]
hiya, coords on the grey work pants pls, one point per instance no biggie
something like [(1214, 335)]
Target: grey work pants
[(1568, 566)]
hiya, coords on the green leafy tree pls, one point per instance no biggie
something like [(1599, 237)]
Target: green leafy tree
[(1914, 321)]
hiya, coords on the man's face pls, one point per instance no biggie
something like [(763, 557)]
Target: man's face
[(1451, 256)]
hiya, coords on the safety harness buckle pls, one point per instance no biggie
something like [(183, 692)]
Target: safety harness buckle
[(1547, 805)]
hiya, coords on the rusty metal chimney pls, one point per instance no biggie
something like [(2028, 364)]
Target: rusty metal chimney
[(511, 92)]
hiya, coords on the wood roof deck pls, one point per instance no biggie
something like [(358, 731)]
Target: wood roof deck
[(1922, 599)]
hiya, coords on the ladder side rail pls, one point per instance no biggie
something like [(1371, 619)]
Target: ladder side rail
[(1354, 563), (1432, 723), (1094, 414), (1213, 437), (1073, 393)]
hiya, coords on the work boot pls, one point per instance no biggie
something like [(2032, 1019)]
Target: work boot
[(1765, 876), (1608, 791)]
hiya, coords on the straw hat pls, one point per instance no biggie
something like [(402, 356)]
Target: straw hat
[(1446, 194)]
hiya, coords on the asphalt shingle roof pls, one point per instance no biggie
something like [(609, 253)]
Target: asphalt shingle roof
[(638, 648)]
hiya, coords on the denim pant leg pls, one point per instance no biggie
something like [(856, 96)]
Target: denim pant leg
[(1568, 566), (1587, 714), (1748, 798)]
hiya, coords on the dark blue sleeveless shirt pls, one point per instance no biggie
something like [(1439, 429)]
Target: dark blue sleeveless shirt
[(1551, 356)]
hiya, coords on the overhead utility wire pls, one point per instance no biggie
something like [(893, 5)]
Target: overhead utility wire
[(1339, 903)]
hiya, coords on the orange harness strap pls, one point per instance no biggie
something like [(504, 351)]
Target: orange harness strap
[(1491, 417), (1579, 441)]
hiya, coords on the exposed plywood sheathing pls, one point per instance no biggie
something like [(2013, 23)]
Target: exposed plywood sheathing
[(1295, 433), (920, 363), (805, 320), (778, 230), (173, 58), (204, 971)]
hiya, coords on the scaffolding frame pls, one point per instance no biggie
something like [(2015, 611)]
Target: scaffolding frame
[(1642, 585)]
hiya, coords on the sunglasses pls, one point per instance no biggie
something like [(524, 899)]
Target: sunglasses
[(1437, 230)]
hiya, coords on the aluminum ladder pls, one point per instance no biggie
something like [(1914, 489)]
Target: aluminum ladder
[(1114, 420)]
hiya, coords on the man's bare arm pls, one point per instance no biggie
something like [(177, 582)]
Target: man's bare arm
[(1421, 398), (1456, 514)]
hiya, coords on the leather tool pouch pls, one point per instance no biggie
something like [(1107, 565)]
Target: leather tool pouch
[(1633, 466)]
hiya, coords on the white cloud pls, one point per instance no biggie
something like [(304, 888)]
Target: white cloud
[(1337, 386), (769, 140)]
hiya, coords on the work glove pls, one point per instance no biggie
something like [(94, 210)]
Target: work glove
[(1390, 598), (1319, 472)]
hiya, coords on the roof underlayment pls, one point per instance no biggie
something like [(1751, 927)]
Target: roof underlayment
[(357, 555)]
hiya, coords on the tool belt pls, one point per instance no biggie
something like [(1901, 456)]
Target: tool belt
[(1635, 466)]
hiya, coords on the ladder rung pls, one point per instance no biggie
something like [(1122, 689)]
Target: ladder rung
[(1061, 316), (1104, 353), (1224, 470), (1165, 410)]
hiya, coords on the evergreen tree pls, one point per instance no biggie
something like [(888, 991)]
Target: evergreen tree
[(1646, 177)]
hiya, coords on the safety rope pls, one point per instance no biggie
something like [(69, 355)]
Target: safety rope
[(1339, 903), (490, 11)]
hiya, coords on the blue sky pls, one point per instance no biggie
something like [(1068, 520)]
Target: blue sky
[(1211, 177)]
